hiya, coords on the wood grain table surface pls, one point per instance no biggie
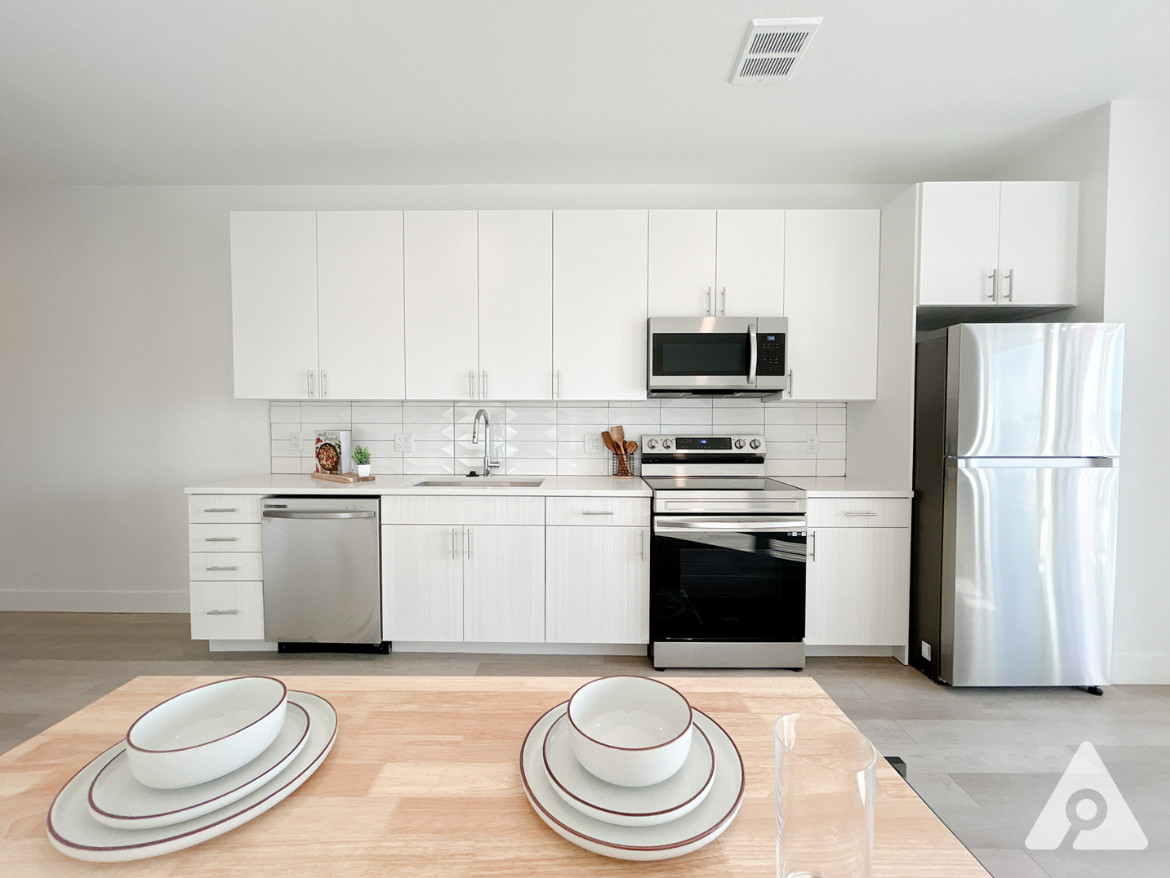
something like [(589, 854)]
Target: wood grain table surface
[(424, 780)]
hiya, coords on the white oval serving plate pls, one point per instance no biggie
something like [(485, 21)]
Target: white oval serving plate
[(674, 839), (627, 806), (74, 831), (117, 799)]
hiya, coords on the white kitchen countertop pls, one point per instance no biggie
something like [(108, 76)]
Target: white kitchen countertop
[(844, 486), (563, 486)]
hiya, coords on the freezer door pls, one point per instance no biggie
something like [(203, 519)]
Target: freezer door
[(1028, 573), (1034, 389)]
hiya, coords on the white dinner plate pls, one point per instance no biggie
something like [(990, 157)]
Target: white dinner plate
[(73, 830), (117, 799), (678, 837), (628, 806)]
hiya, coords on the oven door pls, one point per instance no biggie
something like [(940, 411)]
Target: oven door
[(728, 579), (701, 353)]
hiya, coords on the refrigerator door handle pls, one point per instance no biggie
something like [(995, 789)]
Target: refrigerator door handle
[(1033, 462)]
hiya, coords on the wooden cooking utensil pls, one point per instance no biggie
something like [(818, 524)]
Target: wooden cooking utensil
[(608, 440), (631, 447), (619, 434)]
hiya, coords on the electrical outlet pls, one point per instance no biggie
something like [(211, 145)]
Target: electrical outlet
[(811, 445), (404, 442), (926, 650), (593, 443)]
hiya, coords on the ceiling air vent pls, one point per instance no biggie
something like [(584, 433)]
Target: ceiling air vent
[(772, 47)]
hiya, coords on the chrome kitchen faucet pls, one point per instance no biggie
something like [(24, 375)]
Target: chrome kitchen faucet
[(488, 463)]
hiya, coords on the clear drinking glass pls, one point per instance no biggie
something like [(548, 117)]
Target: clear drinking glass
[(824, 798)]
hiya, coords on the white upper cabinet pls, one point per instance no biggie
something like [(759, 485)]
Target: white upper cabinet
[(682, 263), (274, 304), (515, 304), (749, 269), (441, 257), (831, 301), (359, 314), (599, 304), (990, 243)]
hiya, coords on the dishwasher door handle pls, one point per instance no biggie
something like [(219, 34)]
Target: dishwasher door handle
[(284, 513)]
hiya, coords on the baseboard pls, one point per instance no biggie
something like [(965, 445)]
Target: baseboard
[(64, 601), (863, 651), (522, 648), (1141, 669)]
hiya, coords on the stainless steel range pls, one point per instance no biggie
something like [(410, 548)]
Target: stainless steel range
[(727, 559)]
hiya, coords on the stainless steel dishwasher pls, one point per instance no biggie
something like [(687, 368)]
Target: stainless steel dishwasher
[(322, 573)]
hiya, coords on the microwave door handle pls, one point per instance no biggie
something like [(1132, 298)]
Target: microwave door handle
[(752, 355)]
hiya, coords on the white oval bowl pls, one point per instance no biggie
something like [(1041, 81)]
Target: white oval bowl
[(630, 731), (205, 733)]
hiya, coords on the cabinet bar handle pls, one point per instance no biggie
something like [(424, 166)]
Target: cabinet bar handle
[(812, 546), (851, 514), (1011, 283), (468, 547), (559, 394), (471, 384), (483, 387), (324, 384), (994, 294), (312, 383), (221, 510), (223, 568), (590, 512), (708, 301), (790, 382), (642, 543), (453, 531), (222, 613), (222, 540)]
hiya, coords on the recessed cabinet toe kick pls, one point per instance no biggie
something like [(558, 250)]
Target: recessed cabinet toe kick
[(322, 587)]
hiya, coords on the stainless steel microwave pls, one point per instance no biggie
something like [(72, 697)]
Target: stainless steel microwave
[(716, 356)]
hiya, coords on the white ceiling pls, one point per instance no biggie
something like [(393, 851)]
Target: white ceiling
[(547, 91)]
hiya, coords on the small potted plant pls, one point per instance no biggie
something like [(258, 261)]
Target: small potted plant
[(361, 457)]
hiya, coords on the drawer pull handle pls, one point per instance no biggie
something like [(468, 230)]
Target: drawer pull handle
[(862, 514), (223, 612), (222, 540), (223, 568), (589, 512), (221, 510)]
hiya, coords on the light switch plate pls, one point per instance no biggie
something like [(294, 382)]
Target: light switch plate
[(812, 445), (404, 442)]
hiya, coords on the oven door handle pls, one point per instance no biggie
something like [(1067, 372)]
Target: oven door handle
[(690, 525)]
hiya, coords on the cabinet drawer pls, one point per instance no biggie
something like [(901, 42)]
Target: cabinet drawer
[(216, 508), (604, 511), (227, 611), (225, 565), (224, 538), (859, 512), (462, 510)]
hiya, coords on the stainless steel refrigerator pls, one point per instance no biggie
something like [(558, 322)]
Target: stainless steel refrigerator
[(1016, 464)]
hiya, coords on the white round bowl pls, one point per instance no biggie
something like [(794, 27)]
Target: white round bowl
[(205, 733), (630, 731)]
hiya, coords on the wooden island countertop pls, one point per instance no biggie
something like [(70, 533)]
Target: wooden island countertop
[(424, 780)]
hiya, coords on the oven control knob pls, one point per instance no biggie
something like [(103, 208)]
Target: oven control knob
[(667, 443), (651, 443), (739, 443), (755, 443)]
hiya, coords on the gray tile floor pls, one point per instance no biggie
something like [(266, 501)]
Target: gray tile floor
[(986, 761)]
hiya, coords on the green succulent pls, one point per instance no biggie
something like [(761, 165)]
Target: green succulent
[(361, 455)]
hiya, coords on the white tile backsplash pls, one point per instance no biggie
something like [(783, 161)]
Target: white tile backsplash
[(534, 438)]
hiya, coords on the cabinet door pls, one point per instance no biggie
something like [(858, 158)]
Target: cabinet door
[(360, 332), (831, 301), (682, 263), (859, 587), (606, 600), (422, 582), (515, 304), (599, 304), (958, 243), (274, 304), (749, 275), (503, 584), (1038, 243), (442, 314)]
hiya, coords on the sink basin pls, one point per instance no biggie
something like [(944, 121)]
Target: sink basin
[(466, 482)]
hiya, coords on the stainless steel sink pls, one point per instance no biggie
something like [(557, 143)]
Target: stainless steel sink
[(466, 482)]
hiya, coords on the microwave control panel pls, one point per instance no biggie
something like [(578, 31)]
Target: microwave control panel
[(771, 353)]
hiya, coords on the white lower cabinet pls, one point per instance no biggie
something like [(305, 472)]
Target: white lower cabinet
[(503, 584), (598, 584), (858, 579), (224, 562)]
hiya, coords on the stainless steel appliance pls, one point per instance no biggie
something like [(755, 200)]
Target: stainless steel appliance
[(716, 356), (727, 556), (322, 573), (1016, 454)]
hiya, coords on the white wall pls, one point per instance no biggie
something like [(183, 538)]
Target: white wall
[(115, 345), (1137, 293)]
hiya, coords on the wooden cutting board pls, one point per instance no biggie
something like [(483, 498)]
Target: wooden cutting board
[(343, 478)]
